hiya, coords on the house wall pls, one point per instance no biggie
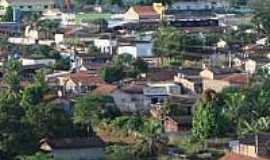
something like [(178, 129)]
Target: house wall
[(131, 14), (188, 85), (47, 62), (162, 90), (191, 5), (36, 6), (250, 66), (79, 154), (170, 125), (216, 85), (138, 50), (105, 45), (132, 50), (207, 74), (71, 87), (130, 102), (144, 49)]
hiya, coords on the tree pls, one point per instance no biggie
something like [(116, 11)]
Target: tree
[(12, 76), (208, 119), (119, 152), (112, 73), (168, 42), (140, 66), (262, 15), (123, 60), (33, 93), (49, 27), (49, 120), (8, 17), (90, 110)]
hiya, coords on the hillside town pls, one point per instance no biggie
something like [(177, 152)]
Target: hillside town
[(134, 80)]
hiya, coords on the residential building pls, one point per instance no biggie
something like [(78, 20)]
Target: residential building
[(81, 83), (180, 117), (159, 92), (26, 5), (144, 13), (106, 44), (252, 145), (193, 5), (88, 148), (138, 49), (130, 98)]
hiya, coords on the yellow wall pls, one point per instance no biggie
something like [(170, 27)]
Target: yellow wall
[(159, 8), (131, 14)]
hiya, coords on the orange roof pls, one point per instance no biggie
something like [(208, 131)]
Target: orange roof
[(234, 156), (237, 78), (104, 89), (86, 79), (145, 10)]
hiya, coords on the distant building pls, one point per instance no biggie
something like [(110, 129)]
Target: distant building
[(144, 13), (26, 5), (138, 49), (256, 146)]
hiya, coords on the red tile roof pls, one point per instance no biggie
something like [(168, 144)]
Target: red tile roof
[(237, 78), (145, 10), (86, 79), (104, 89)]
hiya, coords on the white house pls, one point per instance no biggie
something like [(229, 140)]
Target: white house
[(158, 92), (138, 49), (191, 5), (105, 45), (250, 66)]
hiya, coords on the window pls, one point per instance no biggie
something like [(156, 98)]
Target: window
[(21, 7), (2, 7), (46, 6), (29, 7)]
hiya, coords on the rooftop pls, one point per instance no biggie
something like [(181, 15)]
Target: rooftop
[(145, 10)]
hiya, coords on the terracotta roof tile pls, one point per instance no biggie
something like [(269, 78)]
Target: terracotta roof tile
[(104, 89), (145, 11), (86, 79), (237, 78)]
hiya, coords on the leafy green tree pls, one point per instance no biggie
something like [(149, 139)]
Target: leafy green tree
[(12, 76), (33, 93), (140, 66), (168, 42), (119, 152), (123, 60), (8, 17), (112, 73), (90, 110), (49, 120), (49, 27), (208, 119)]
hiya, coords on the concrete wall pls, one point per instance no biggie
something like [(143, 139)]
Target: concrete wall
[(130, 102), (216, 85), (207, 74)]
